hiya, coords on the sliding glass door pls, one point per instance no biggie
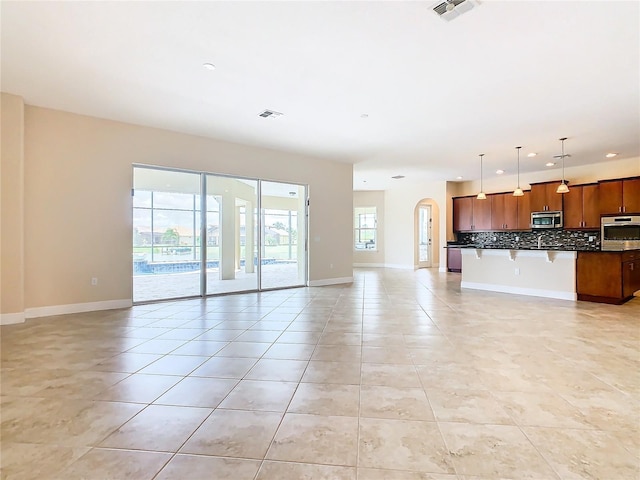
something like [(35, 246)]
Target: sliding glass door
[(232, 240), (283, 239), (166, 234), (252, 235)]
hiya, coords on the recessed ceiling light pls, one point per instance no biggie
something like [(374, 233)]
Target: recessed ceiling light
[(532, 154), (611, 155), (397, 177), (458, 178), (500, 171), (364, 115), (550, 164), (209, 66)]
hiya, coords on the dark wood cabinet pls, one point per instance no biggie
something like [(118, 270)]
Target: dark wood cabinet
[(454, 260), (524, 211), (504, 211), (619, 196), (544, 197), (608, 277), (590, 206), (481, 214), (462, 214), (631, 195), (630, 277), (470, 214), (581, 208), (500, 211)]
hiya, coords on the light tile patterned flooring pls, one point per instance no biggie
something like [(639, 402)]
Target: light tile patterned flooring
[(400, 376)]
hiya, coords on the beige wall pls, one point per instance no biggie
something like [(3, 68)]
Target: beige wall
[(399, 231), (454, 189), (12, 207), (368, 257), (78, 220)]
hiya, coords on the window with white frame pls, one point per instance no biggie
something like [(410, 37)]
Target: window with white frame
[(365, 228)]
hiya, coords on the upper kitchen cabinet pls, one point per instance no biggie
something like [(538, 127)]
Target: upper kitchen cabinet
[(462, 214), (581, 208), (524, 211), (471, 214), (544, 197), (619, 196), (481, 214), (504, 211)]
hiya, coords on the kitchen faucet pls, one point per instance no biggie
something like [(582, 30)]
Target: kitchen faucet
[(539, 241)]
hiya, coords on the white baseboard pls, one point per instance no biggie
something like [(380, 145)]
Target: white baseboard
[(77, 308), (532, 292), (442, 269), (393, 265), (330, 281), (399, 265), (11, 318)]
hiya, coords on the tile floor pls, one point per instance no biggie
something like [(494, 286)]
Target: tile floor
[(399, 376)]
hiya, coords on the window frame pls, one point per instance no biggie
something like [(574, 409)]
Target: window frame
[(359, 227)]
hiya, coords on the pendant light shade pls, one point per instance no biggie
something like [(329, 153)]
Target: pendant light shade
[(563, 188), (518, 191), (481, 195)]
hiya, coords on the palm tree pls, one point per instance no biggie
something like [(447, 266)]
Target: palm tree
[(171, 237)]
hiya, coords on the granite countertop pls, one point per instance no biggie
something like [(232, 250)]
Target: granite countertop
[(561, 248)]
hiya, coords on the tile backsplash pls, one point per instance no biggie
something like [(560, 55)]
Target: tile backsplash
[(569, 239)]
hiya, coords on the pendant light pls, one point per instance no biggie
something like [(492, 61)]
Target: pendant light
[(518, 191), (563, 188), (481, 195)]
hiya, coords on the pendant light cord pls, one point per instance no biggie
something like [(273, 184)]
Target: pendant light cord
[(562, 140), (518, 148)]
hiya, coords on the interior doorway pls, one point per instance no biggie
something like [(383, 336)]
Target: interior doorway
[(424, 236)]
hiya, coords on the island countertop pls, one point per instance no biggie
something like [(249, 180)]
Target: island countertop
[(561, 248)]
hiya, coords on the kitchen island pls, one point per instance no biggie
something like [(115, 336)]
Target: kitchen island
[(539, 272)]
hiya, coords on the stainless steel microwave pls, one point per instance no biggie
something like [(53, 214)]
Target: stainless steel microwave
[(620, 232), (542, 220)]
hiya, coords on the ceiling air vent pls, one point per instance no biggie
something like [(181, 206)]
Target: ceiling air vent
[(270, 114), (450, 9)]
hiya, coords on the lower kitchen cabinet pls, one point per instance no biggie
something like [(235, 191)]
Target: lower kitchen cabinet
[(454, 260), (608, 277)]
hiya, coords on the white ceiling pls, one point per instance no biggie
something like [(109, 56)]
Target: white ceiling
[(437, 93)]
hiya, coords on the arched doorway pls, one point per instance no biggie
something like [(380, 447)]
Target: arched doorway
[(426, 220)]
